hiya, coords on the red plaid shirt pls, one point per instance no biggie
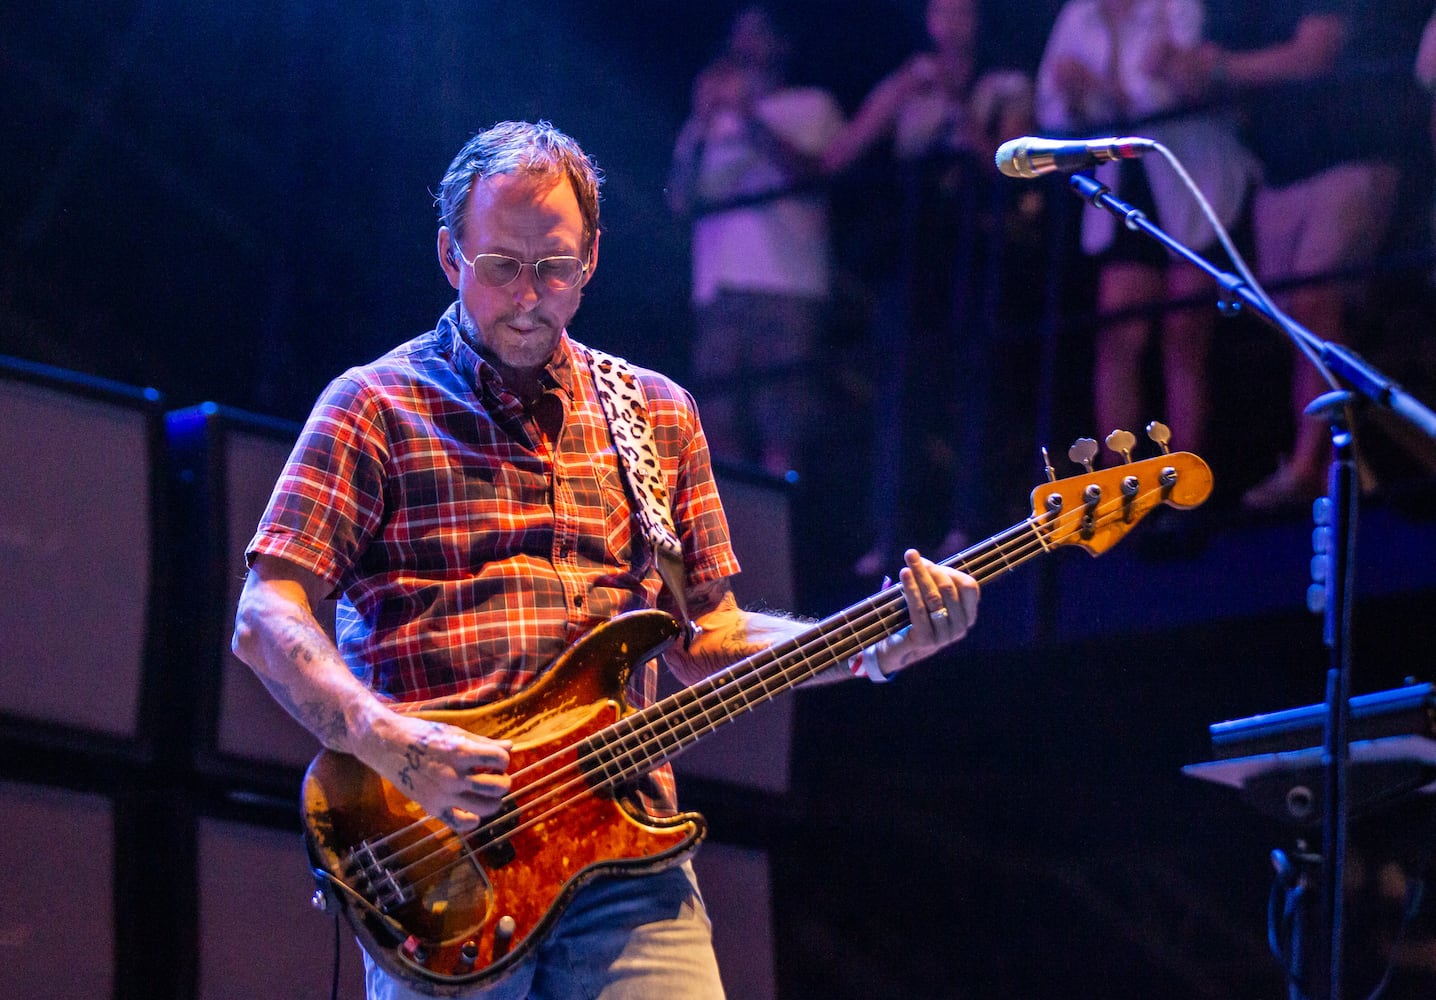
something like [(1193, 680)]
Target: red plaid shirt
[(468, 548)]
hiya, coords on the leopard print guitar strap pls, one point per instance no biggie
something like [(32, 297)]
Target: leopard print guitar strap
[(627, 411)]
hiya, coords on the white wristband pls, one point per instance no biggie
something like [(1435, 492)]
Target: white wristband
[(865, 664)]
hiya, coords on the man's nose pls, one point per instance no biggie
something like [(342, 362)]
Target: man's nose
[(526, 288)]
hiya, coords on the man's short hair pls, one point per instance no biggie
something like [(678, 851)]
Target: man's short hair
[(535, 149)]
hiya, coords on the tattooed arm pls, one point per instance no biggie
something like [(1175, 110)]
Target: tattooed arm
[(455, 775), (942, 605), (726, 633)]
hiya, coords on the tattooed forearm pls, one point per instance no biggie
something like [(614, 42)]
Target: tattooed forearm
[(277, 635), (325, 722), (708, 597), (304, 644), (730, 634), (727, 634), (302, 641), (729, 647)]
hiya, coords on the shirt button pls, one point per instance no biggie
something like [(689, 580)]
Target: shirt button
[(578, 601)]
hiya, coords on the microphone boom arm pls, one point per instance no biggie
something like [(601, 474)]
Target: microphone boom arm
[(1368, 381)]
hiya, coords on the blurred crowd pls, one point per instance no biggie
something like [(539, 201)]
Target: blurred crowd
[(866, 284)]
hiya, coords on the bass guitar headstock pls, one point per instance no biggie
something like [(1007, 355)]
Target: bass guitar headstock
[(1096, 509)]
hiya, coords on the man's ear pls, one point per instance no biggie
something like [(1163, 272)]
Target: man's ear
[(449, 256), (592, 259)]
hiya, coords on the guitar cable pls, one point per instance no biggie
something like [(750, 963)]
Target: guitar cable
[(334, 973)]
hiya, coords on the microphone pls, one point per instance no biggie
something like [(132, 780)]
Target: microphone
[(1031, 156)]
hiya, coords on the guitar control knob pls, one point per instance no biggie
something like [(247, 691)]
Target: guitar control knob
[(468, 954), (415, 949), (320, 901), (504, 935)]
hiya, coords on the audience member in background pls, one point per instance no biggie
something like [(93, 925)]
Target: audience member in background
[(944, 121), (1426, 57), (744, 167), (1426, 76), (936, 100), (1331, 99), (1104, 72)]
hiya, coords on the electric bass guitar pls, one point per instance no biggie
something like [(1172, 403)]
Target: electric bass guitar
[(447, 912)]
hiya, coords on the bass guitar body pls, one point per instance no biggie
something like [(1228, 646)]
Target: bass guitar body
[(446, 912)]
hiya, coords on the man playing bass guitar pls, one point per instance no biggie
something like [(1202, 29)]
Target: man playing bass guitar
[(464, 499)]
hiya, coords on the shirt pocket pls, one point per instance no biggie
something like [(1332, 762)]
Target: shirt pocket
[(618, 521)]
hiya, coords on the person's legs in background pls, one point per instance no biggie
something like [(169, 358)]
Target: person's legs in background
[(1335, 220), (1121, 342), (1186, 343)]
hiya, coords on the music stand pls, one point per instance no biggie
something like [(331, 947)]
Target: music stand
[(1275, 761)]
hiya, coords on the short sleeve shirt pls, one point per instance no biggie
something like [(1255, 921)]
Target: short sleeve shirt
[(469, 547)]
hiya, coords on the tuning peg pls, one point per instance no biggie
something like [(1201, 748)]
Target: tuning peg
[(1047, 464), (1121, 442), (1082, 452), (1161, 435)]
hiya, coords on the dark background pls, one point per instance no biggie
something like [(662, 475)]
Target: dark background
[(233, 203)]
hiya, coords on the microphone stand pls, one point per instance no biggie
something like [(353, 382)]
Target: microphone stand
[(1335, 515)]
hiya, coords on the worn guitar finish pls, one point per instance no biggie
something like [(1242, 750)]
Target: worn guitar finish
[(427, 903), (448, 913)]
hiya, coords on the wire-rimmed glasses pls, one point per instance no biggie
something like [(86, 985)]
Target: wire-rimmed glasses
[(496, 270)]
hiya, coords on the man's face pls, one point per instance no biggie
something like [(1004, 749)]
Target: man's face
[(754, 41), (517, 327), (952, 24)]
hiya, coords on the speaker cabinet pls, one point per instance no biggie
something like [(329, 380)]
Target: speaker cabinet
[(57, 936), (760, 524), (258, 934), (78, 567), (737, 892), (226, 464), (754, 751)]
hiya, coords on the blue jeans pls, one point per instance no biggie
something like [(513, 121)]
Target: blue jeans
[(643, 938)]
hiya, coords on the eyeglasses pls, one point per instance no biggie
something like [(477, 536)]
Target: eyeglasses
[(497, 270)]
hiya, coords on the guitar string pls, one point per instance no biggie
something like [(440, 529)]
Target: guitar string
[(859, 636), (753, 675), (573, 774), (747, 680), (723, 683), (740, 676), (742, 672), (880, 616), (748, 673)]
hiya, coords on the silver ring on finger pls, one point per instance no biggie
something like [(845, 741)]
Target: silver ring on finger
[(938, 616)]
